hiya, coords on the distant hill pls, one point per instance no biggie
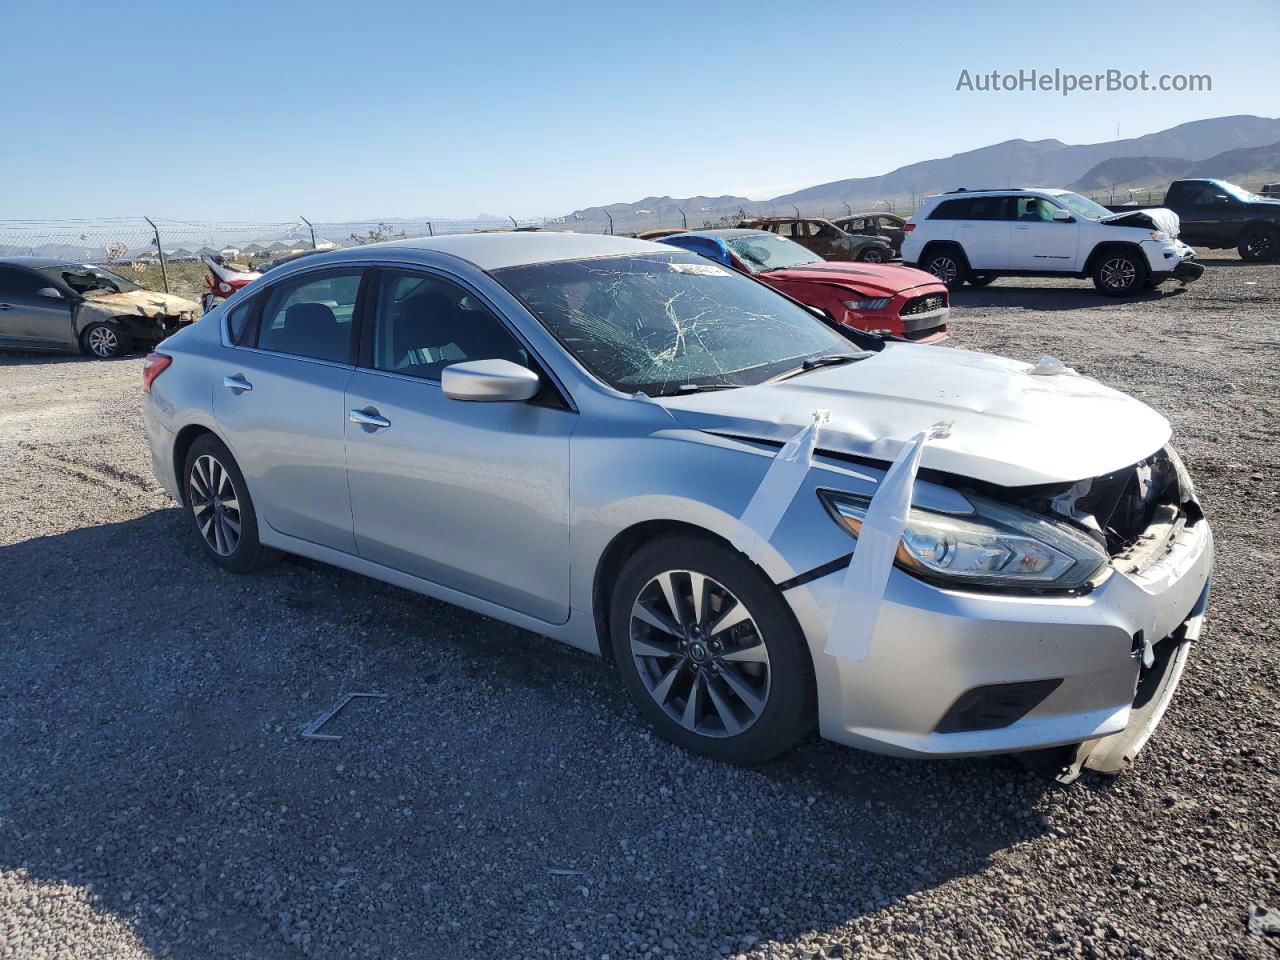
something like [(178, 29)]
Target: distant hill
[(1125, 173), (1011, 163)]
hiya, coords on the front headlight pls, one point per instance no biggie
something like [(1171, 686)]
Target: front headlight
[(875, 303), (995, 545), (1159, 236)]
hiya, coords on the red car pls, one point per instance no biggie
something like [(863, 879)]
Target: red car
[(879, 298)]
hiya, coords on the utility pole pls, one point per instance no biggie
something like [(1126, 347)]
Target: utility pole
[(311, 228), (610, 216), (164, 266), (684, 221)]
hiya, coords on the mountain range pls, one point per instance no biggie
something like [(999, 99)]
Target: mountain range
[(1010, 163)]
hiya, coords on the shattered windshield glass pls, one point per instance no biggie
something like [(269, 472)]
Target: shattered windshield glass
[(662, 324), (762, 252), (85, 278)]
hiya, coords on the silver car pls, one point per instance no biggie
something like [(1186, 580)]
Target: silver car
[(564, 432)]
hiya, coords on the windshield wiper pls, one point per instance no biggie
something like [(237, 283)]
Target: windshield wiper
[(697, 388), (812, 363)]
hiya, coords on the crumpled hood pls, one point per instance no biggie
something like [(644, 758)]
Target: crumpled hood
[(143, 303), (1164, 218), (1010, 427), (883, 278)]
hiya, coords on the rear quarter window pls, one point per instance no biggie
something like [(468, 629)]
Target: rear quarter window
[(951, 210)]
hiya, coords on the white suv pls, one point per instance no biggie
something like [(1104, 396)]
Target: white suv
[(976, 236)]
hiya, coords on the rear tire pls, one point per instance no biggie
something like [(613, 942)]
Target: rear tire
[(218, 502), (1120, 273), (741, 693), (1259, 243), (872, 255), (104, 340), (948, 265)]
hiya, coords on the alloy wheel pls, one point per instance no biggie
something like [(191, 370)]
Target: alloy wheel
[(699, 653), (1118, 273), (944, 268), (215, 504), (872, 256), (1258, 246), (103, 342)]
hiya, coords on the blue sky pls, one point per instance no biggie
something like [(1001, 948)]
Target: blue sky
[(377, 109)]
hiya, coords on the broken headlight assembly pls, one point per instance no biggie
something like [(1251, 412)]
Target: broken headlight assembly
[(873, 303), (992, 546)]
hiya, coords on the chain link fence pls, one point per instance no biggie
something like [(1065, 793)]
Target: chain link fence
[(164, 254)]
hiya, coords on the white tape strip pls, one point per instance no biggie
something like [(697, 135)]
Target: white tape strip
[(778, 488), (858, 609)]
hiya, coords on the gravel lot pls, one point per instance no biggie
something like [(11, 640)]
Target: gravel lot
[(156, 799)]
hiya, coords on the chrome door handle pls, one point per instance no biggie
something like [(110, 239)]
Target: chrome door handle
[(6, 306), (369, 419), (237, 384), (1024, 228)]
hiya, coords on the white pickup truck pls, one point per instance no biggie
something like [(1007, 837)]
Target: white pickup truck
[(975, 236)]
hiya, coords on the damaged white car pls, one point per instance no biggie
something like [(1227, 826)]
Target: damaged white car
[(49, 304), (768, 523), (978, 236)]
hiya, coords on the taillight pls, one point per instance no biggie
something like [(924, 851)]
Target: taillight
[(908, 227), (152, 367), (224, 287)]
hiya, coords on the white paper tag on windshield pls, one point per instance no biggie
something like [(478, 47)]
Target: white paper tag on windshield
[(700, 269)]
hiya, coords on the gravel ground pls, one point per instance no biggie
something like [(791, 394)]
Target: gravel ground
[(156, 799)]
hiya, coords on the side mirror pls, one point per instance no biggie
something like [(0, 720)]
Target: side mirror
[(1061, 215), (53, 293), (490, 381)]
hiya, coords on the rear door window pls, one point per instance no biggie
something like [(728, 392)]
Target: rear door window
[(311, 316)]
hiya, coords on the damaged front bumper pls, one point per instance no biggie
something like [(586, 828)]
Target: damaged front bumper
[(961, 673), (1156, 685), (1173, 260)]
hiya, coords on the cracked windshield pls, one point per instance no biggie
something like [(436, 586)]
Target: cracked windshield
[(668, 324)]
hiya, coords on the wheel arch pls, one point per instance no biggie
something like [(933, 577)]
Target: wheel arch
[(1103, 247), (624, 544), (187, 436), (933, 246)]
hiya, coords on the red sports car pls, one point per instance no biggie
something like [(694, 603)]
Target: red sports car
[(879, 298)]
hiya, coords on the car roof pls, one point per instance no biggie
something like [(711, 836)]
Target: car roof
[(36, 261), (985, 191), (494, 251), (726, 232)]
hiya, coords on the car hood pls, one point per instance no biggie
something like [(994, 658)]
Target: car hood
[(143, 303), (883, 277), (1010, 427), (1161, 218)]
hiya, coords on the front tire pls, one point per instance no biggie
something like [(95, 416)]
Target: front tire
[(1120, 273), (948, 266), (218, 503), (709, 651), (1259, 243), (104, 340), (981, 279)]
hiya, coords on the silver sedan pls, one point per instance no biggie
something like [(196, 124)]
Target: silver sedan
[(564, 432)]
